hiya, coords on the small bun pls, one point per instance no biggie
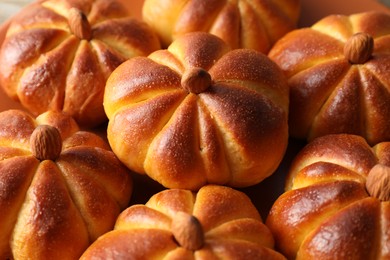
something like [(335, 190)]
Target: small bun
[(230, 227), (338, 76), (241, 24), (336, 203), (57, 55), (61, 188)]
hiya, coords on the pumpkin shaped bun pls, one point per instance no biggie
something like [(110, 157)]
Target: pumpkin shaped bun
[(337, 201), (217, 222), (198, 113), (60, 188), (58, 54), (338, 73), (241, 23)]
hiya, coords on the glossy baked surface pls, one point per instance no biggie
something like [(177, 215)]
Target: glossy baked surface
[(265, 193)]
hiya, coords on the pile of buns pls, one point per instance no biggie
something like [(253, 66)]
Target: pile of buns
[(154, 138)]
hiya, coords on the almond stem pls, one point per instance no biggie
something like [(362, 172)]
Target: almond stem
[(79, 24), (196, 80), (46, 143), (378, 182), (187, 231), (359, 48)]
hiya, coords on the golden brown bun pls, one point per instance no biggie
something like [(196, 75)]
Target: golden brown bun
[(53, 209), (232, 132), (328, 210), (329, 93), (49, 61), (242, 24), (231, 226)]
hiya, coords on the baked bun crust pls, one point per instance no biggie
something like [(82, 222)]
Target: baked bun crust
[(54, 208), (331, 91), (199, 113), (333, 206), (58, 54), (242, 24), (231, 227)]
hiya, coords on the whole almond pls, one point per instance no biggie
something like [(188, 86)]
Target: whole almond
[(187, 231), (79, 24), (359, 48), (378, 182), (196, 80), (46, 143)]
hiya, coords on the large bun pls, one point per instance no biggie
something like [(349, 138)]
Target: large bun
[(199, 113), (242, 24), (338, 76), (58, 54), (336, 204), (60, 188)]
